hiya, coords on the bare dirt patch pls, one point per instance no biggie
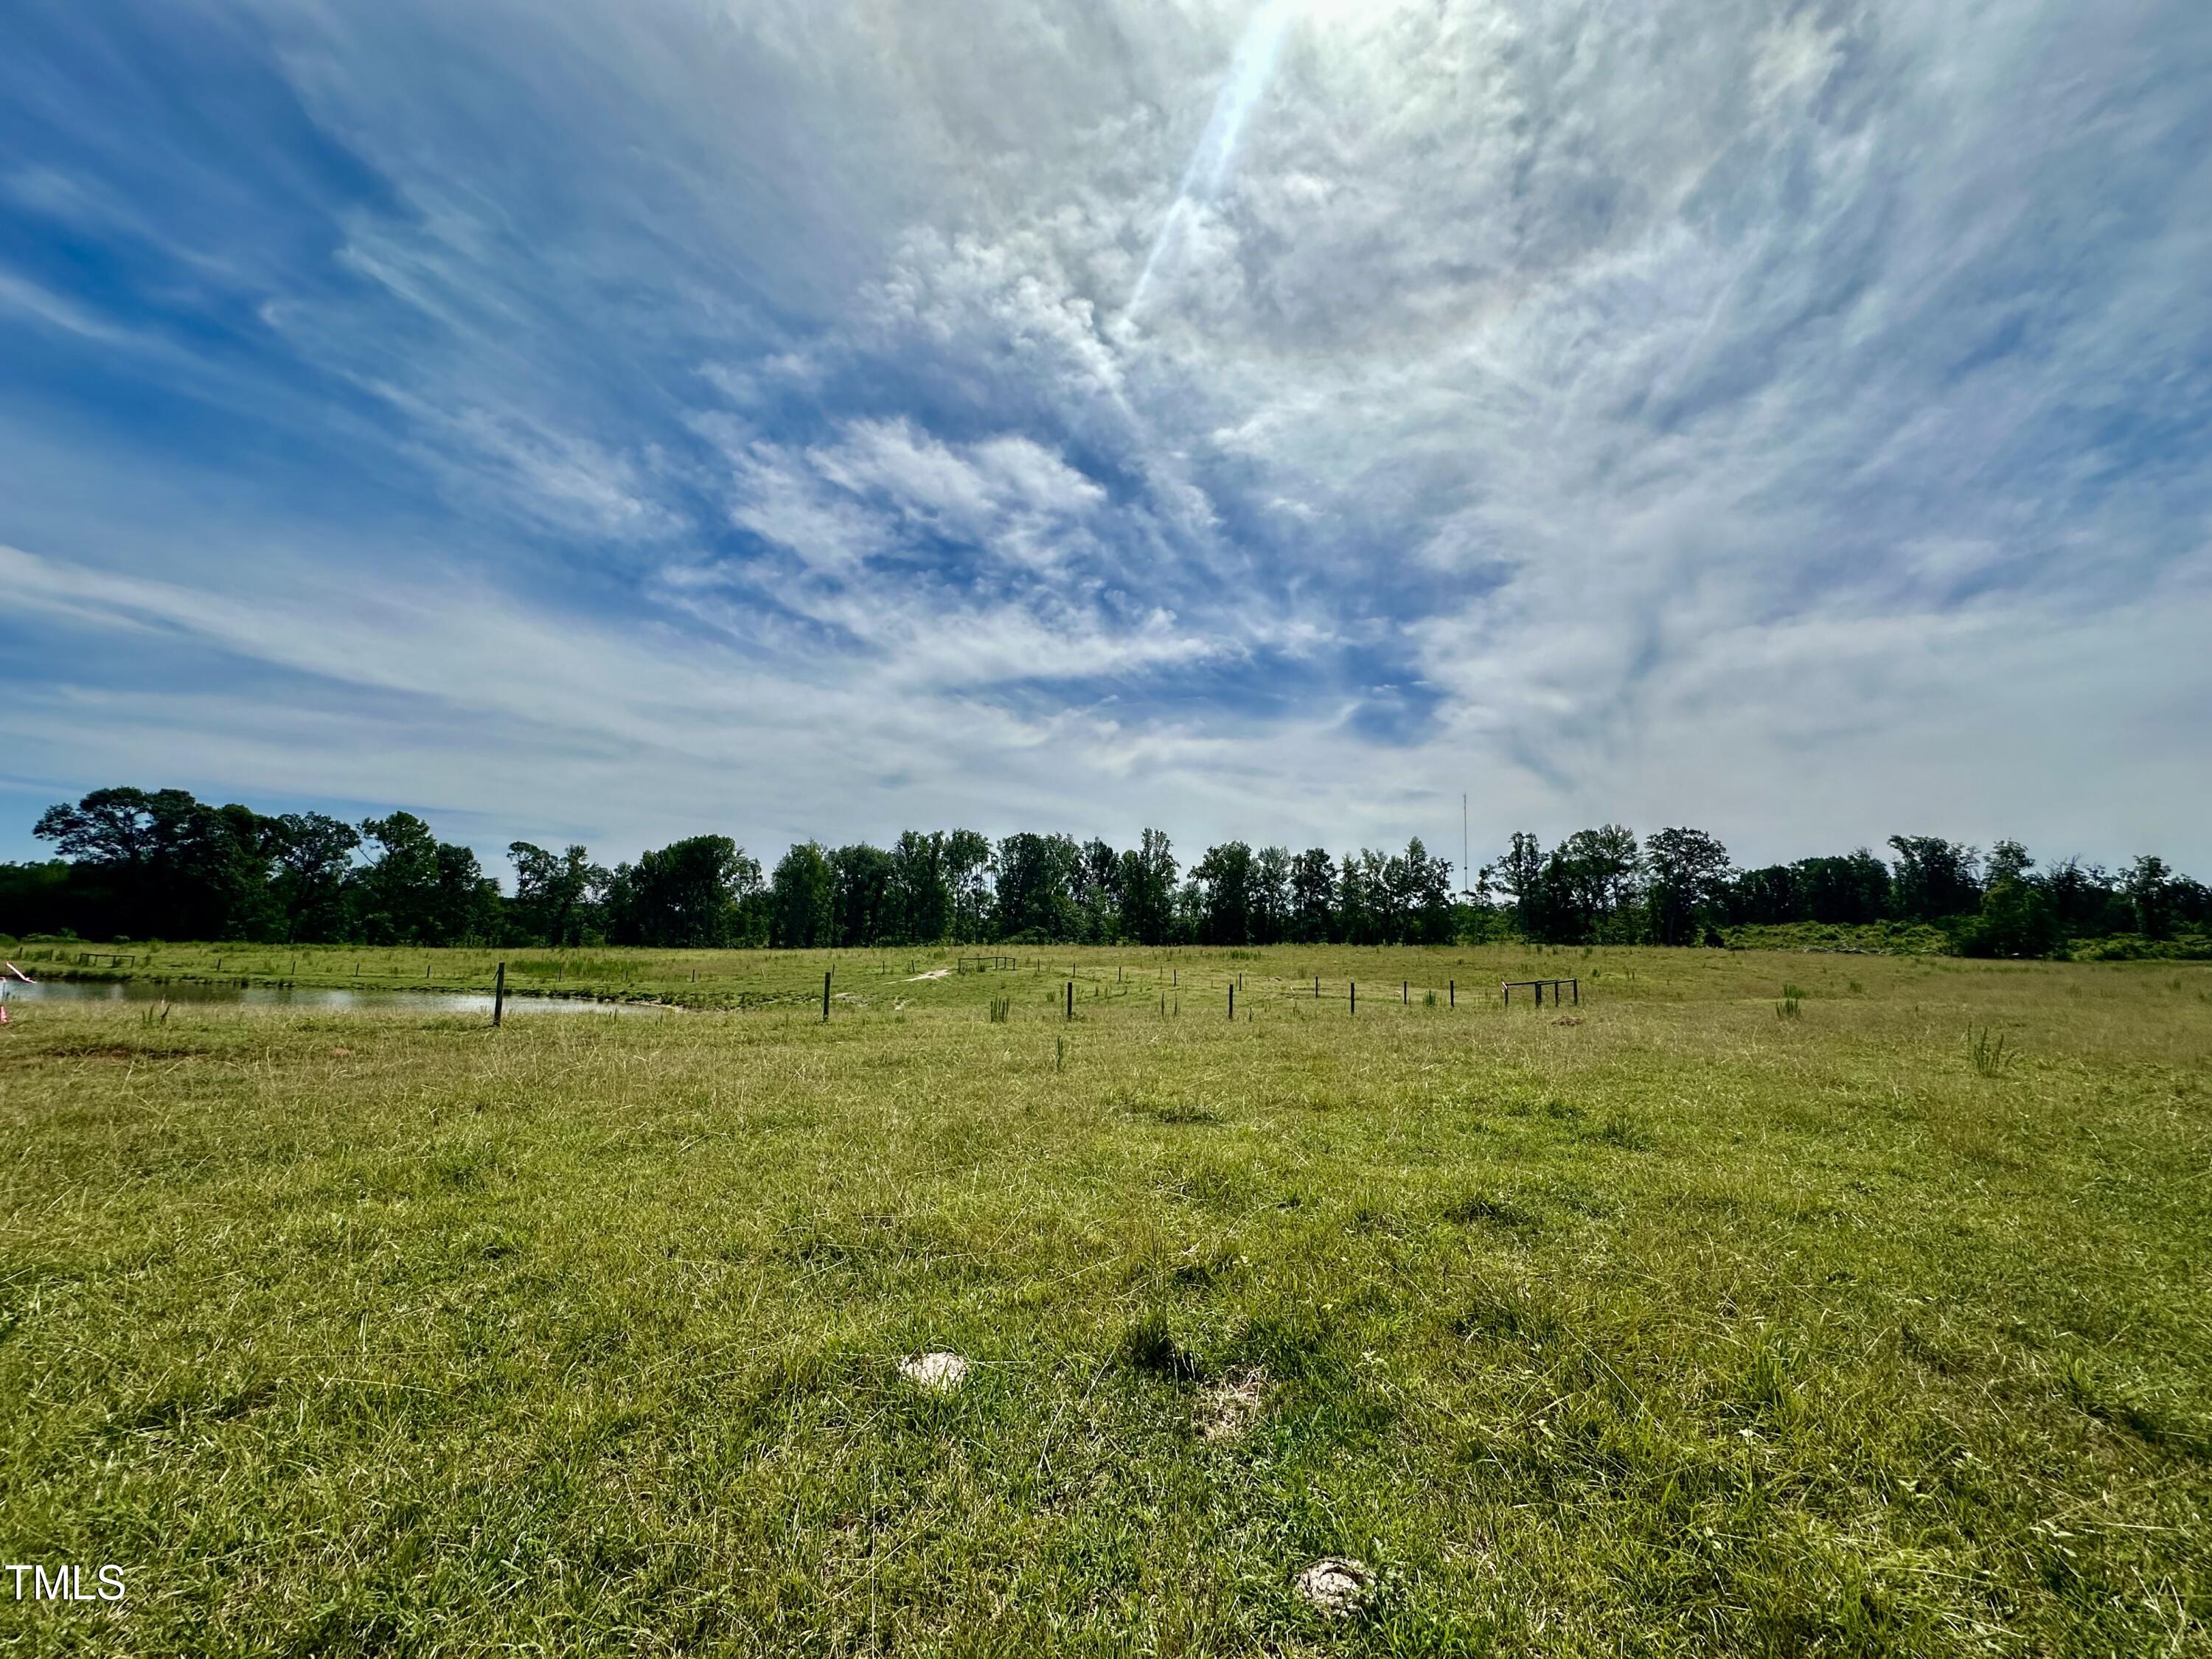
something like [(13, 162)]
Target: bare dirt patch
[(1228, 1410)]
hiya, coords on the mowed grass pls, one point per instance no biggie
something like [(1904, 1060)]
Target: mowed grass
[(1667, 1324)]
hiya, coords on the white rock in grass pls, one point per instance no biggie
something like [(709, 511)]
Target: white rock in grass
[(1337, 1587), (940, 1373)]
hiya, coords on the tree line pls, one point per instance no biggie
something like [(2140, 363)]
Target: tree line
[(160, 863), (1679, 887)]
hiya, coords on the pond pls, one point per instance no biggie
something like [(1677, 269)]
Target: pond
[(307, 999)]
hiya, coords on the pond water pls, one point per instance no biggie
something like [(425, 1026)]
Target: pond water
[(310, 1000)]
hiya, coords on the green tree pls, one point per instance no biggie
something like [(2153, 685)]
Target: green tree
[(2147, 886), (1767, 897), (1224, 884), (1852, 891), (1605, 868), (2015, 919), (396, 894), (803, 899), (863, 903), (1187, 921), (1519, 874), (1313, 899), (1390, 896), (312, 856), (921, 890), (2189, 903), (1098, 894), (1355, 910), (2085, 899), (969, 871), (115, 829), (1934, 878), (1428, 902), (1148, 890), (160, 863), (1036, 892), (689, 894), (466, 910), (1270, 894), (1687, 875), (553, 892), (36, 899), (2008, 861)]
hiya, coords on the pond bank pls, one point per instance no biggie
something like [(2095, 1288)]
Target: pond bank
[(319, 1000)]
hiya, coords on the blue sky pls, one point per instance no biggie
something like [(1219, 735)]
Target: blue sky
[(613, 422)]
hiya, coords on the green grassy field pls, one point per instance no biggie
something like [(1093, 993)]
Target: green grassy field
[(876, 980), (1677, 1323)]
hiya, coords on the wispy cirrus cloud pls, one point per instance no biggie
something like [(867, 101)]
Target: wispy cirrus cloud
[(1789, 418)]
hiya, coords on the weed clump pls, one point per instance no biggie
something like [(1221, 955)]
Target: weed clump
[(1178, 1109), (1481, 1210), (1990, 1053), (1147, 1346), (1624, 1133), (1504, 1318)]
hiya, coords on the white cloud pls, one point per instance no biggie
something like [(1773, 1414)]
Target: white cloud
[(1007, 495), (1794, 59), (1787, 417)]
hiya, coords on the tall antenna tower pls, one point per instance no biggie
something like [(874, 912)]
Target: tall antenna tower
[(1465, 884)]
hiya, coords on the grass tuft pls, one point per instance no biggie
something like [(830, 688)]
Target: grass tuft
[(1147, 1346), (1990, 1053), (1483, 1210)]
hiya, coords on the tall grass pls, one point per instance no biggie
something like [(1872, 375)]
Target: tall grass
[(1989, 1051)]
